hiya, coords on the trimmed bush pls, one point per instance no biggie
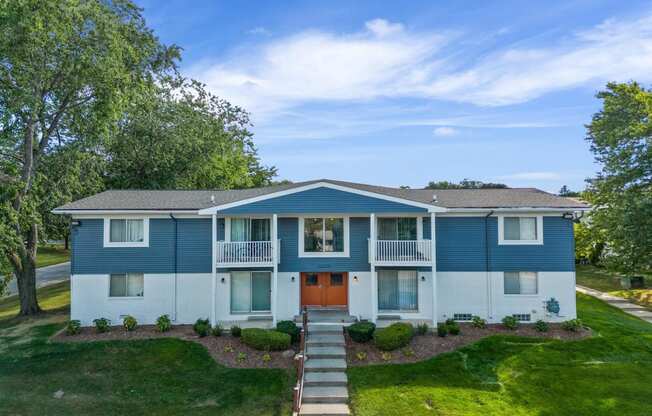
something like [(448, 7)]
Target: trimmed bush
[(102, 324), (265, 339), (73, 327), (572, 325), (361, 331), (201, 327), (129, 322), (453, 328), (236, 331), (422, 329), (394, 336), (163, 323), (510, 322), (290, 328), (217, 330), (541, 326), (450, 321), (478, 322), (442, 330)]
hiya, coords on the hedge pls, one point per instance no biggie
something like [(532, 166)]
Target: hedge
[(361, 331), (290, 328), (265, 339), (394, 336)]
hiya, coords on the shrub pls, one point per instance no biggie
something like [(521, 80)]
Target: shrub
[(129, 322), (386, 356), (422, 329), (450, 321), (361, 355), (442, 330), (102, 324), (265, 339), (541, 326), (478, 322), (201, 327), (73, 327), (453, 328), (228, 348), (510, 322), (361, 331), (395, 336), (572, 325), (267, 358), (217, 330), (242, 357), (163, 323), (290, 328), (236, 331), (408, 352)]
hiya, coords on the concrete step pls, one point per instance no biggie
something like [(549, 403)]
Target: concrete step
[(325, 365), (324, 340), (325, 395), (325, 409), (325, 379), (326, 352), (325, 329)]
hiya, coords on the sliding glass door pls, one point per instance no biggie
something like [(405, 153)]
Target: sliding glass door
[(250, 229), (397, 228), (250, 292), (397, 290)]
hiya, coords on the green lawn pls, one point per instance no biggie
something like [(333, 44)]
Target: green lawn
[(609, 374), (163, 376), (601, 279), (48, 255)]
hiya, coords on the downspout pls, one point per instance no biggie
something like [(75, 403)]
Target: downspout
[(488, 273), (175, 267)]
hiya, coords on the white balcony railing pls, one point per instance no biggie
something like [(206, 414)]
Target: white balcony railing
[(408, 252), (245, 253)]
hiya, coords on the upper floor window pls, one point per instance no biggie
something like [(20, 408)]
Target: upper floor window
[(323, 236), (126, 285), (250, 229), (520, 230), (126, 232), (520, 283), (397, 228)]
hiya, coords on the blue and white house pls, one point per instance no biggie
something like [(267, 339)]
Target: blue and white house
[(256, 256)]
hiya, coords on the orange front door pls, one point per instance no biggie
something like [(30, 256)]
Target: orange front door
[(324, 289)]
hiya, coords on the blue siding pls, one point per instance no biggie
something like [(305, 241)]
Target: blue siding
[(460, 244), (322, 200), (288, 232), (194, 245)]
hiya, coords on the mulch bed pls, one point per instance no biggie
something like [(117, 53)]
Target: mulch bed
[(224, 349), (427, 346)]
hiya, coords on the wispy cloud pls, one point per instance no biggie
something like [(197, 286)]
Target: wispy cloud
[(445, 131), (259, 30)]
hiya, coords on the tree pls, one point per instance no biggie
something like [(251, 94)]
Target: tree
[(565, 191), (621, 139), (465, 184), (67, 69)]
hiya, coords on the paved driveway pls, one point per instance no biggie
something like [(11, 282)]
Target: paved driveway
[(46, 276)]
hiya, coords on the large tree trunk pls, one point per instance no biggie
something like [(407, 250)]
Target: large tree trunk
[(26, 280)]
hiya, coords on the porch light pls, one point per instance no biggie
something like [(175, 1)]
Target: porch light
[(292, 278), (223, 280), (355, 278), (423, 278)]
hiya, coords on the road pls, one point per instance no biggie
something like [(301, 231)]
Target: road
[(46, 276)]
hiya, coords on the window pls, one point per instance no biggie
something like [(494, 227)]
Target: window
[(126, 232), (312, 279), (323, 237), (520, 283), (462, 316), (250, 229), (523, 317), (520, 230), (397, 228), (337, 279), (397, 290), (250, 292), (126, 285)]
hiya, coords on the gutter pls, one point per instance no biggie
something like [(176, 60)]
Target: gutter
[(175, 267), (488, 273)]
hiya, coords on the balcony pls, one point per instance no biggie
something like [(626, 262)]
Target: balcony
[(246, 253), (401, 252)]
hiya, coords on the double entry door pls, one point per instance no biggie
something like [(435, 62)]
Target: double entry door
[(324, 289)]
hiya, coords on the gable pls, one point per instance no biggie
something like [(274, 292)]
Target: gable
[(322, 199)]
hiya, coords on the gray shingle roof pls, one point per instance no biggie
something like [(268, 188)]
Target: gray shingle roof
[(447, 198)]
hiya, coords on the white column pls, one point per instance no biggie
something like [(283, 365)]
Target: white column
[(213, 266), (433, 254), (372, 267), (274, 299)]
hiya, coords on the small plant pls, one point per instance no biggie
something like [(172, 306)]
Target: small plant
[(265, 339), (408, 352), (450, 321), (217, 330), (572, 325), (201, 327), (361, 331), (422, 329), (163, 323), (267, 358), (395, 336), (73, 327), (242, 357), (129, 322), (386, 356), (290, 328), (510, 322), (236, 331), (361, 355), (541, 326), (478, 322), (453, 328), (102, 324), (442, 330), (228, 348)]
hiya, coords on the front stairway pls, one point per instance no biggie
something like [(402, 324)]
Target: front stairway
[(325, 382)]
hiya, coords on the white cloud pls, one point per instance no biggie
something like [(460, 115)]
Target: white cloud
[(381, 27), (259, 30), (445, 131)]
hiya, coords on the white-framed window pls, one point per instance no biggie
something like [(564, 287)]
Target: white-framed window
[(250, 292), (520, 229), (398, 290), (323, 236), (520, 283), (126, 232), (126, 285)]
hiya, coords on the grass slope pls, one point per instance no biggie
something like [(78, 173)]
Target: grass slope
[(51, 298), (48, 255), (604, 281), (609, 374)]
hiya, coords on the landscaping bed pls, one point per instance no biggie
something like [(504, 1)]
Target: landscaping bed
[(423, 347), (226, 349)]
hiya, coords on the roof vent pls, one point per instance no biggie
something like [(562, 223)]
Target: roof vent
[(434, 197), (212, 198)]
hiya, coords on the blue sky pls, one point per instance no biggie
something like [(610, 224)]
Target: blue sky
[(401, 93)]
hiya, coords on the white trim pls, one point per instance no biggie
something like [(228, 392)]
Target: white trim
[(433, 259), (213, 268), (302, 253), (429, 207), (274, 294), (103, 212), (372, 268), (501, 231), (112, 244), (517, 209)]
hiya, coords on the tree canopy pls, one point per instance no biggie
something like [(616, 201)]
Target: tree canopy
[(465, 184)]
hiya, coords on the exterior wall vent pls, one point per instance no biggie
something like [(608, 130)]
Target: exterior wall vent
[(462, 316), (522, 317)]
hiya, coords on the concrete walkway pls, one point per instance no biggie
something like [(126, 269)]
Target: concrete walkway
[(620, 303)]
